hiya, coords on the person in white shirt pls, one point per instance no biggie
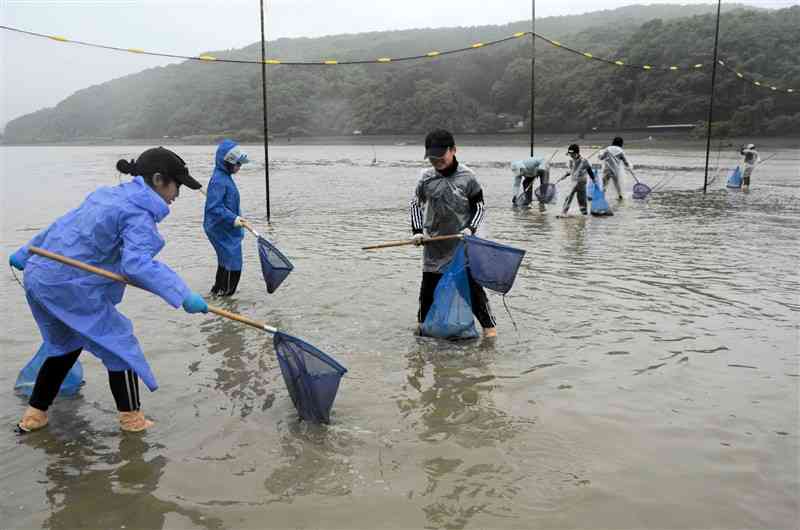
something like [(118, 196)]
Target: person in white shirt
[(614, 164), (751, 159)]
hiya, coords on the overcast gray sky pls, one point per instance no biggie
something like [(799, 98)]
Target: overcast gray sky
[(39, 73)]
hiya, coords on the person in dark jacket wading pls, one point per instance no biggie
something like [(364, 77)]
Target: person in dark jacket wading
[(448, 199)]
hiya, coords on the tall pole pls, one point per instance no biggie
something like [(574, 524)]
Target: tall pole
[(533, 67), (711, 103), (264, 106)]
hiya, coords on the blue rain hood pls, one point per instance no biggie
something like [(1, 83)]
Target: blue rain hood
[(222, 149), (222, 209), (114, 229), (139, 193)]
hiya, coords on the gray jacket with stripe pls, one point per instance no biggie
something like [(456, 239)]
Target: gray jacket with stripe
[(444, 205)]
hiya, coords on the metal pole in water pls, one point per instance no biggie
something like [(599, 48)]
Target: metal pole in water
[(264, 99), (711, 104), (533, 67)]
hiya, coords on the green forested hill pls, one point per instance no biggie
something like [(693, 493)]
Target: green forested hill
[(480, 91)]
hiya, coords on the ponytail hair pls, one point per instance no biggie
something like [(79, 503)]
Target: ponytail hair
[(129, 168)]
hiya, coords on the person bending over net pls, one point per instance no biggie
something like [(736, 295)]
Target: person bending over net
[(525, 173), (114, 229)]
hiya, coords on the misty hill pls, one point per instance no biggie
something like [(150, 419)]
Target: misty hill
[(481, 91)]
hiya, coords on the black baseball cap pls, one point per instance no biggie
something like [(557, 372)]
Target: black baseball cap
[(164, 161), (438, 142)]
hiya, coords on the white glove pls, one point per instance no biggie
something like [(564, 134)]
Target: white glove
[(630, 166), (238, 222), (417, 238), (467, 231)]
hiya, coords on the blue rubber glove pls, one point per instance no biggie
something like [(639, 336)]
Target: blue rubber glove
[(194, 303), (15, 262)]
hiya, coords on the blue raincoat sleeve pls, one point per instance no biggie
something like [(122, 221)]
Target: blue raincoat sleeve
[(141, 242), (23, 254), (215, 203)]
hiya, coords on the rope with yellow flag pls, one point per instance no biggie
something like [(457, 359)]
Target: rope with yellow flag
[(323, 62), (750, 78)]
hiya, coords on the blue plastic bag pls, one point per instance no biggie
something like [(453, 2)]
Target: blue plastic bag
[(450, 316), (735, 180), (27, 376), (599, 204)]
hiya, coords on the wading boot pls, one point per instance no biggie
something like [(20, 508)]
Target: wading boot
[(217, 288), (134, 421), (33, 420), (231, 282)]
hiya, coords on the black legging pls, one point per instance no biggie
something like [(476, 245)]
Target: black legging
[(124, 385), (226, 281), (580, 190), (527, 185), (480, 304)]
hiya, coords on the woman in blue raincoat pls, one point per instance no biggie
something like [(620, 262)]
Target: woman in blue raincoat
[(222, 222), (114, 229)]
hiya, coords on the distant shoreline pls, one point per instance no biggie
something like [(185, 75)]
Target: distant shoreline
[(633, 139)]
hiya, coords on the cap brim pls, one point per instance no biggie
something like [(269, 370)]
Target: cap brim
[(436, 152), (188, 181)]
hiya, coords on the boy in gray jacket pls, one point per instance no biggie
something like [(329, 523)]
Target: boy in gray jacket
[(579, 167), (448, 199)]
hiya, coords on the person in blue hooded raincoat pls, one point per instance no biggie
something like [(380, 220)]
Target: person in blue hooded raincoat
[(114, 229), (222, 221)]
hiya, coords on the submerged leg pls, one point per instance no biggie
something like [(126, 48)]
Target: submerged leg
[(426, 289), (48, 382), (615, 178), (125, 389), (481, 309), (746, 179), (217, 288), (230, 282), (568, 200), (581, 191)]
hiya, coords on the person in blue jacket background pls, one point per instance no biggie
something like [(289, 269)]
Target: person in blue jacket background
[(222, 221), (114, 229)]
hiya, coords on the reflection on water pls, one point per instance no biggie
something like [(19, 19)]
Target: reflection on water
[(453, 404), (457, 405), (243, 372), (315, 461), (101, 480)]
